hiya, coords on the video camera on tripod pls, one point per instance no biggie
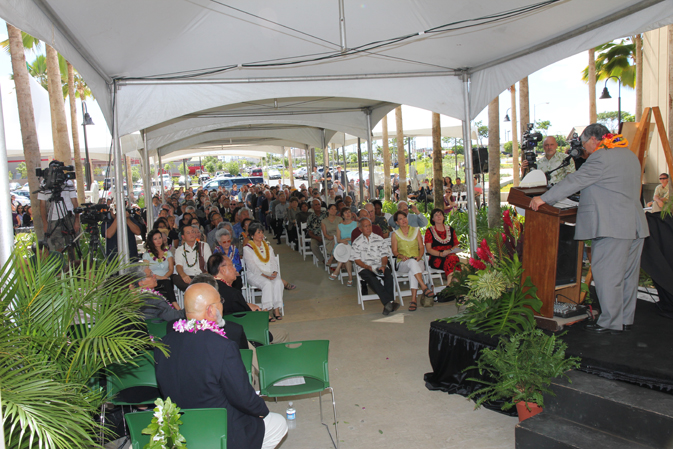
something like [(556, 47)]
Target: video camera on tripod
[(55, 176), (92, 214), (529, 142)]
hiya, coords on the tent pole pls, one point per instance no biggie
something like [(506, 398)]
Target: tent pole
[(345, 175), (325, 155), (370, 159), (122, 229), (6, 227), (362, 181), (161, 178), (147, 183), (467, 140), (309, 170)]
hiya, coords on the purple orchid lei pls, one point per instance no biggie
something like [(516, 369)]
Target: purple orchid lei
[(194, 325), (156, 293)]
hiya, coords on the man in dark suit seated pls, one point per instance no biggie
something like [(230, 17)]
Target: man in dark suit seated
[(205, 370)]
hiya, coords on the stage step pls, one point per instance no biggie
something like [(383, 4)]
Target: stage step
[(592, 412), (546, 431)]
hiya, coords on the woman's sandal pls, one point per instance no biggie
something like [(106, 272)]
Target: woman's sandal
[(333, 276), (349, 283), (272, 319), (290, 286), (430, 295), (413, 306), (278, 317)]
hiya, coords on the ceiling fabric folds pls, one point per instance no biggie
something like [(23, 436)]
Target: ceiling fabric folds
[(172, 58)]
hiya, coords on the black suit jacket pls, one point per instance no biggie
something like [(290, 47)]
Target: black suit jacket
[(232, 299), (205, 370)]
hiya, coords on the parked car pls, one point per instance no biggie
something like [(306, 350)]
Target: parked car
[(228, 183), (14, 186), (256, 172), (300, 173), (274, 174), (204, 177)]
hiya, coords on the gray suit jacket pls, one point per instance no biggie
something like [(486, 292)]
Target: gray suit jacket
[(610, 201)]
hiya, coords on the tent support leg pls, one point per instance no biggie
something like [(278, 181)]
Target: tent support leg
[(467, 141), (372, 187), (122, 231), (147, 183), (362, 181), (325, 162)]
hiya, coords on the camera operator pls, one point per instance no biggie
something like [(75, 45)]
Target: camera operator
[(56, 240), (110, 230), (551, 160)]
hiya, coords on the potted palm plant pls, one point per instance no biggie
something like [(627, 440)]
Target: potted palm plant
[(521, 368), (57, 332)]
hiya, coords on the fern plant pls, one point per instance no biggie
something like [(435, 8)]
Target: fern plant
[(522, 368)]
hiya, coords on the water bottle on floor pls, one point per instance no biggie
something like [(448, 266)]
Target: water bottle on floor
[(291, 415)]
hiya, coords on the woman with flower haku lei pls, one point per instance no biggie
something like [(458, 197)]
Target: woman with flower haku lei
[(262, 270), (440, 241), (408, 248), (159, 262)]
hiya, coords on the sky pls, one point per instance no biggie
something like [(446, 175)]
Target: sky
[(556, 93)]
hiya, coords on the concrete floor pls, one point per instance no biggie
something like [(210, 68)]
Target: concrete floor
[(377, 365)]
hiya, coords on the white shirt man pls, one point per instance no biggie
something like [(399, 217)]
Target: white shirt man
[(190, 258)]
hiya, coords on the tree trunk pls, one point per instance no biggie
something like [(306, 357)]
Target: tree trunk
[(400, 154), (593, 117), (670, 85), (639, 76), (493, 164), (289, 166), (524, 104), (59, 124), (515, 138), (437, 178), (31, 149), (79, 168), (387, 188)]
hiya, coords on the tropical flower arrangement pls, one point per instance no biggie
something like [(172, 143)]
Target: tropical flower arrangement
[(194, 325), (164, 429)]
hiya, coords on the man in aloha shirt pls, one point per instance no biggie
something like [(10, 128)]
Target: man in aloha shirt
[(551, 160), (313, 228)]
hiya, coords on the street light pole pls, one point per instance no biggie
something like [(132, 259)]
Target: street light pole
[(606, 95), (86, 120)]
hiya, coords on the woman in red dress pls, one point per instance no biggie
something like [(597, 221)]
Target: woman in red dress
[(440, 240)]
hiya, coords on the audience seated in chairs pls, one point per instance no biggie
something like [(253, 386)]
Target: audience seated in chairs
[(357, 232), (415, 219), (220, 380), (370, 253), (408, 248), (190, 258), (343, 237), (262, 271), (329, 230), (440, 243), (313, 227), (225, 248), (159, 262)]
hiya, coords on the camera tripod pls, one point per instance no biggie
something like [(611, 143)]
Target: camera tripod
[(64, 224)]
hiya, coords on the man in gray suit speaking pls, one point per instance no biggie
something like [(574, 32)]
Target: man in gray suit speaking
[(610, 214)]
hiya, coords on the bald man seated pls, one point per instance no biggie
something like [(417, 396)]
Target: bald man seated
[(205, 370)]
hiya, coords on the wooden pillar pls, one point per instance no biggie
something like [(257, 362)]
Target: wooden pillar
[(493, 164), (593, 118), (400, 153), (387, 187), (289, 166), (437, 178), (515, 138)]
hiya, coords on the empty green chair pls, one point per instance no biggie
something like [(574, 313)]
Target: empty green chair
[(203, 428), (156, 328), (246, 356), (308, 359), (255, 325)]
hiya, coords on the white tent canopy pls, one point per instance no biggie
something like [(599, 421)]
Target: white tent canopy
[(173, 57)]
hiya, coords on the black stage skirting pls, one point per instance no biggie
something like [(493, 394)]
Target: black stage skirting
[(643, 356)]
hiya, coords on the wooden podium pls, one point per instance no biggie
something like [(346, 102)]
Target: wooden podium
[(541, 249)]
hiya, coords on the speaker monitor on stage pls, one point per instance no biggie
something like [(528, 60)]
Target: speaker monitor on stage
[(480, 160)]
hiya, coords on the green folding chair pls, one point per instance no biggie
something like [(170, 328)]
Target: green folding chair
[(255, 325), (127, 376), (203, 428), (157, 328), (246, 355), (308, 359)]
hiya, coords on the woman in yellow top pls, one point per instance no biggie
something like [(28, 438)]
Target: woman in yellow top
[(408, 248)]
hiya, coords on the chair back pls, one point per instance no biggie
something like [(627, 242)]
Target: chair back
[(203, 428), (246, 356), (156, 328), (140, 373), (308, 359), (255, 325)]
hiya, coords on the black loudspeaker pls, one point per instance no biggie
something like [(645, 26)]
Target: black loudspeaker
[(480, 160), (566, 265)]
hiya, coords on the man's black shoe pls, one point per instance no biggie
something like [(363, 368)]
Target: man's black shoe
[(627, 327), (363, 288), (596, 329), (396, 305), (388, 308)]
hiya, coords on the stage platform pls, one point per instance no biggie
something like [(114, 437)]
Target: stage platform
[(643, 356)]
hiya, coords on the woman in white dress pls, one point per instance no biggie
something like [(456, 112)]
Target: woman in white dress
[(262, 271)]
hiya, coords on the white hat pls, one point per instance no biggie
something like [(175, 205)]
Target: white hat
[(342, 252)]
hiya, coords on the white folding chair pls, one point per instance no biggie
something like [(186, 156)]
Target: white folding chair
[(304, 242), (434, 273), (246, 287), (323, 248), (399, 278), (362, 298)]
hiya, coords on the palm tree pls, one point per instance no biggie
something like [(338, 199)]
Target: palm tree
[(400, 153), (437, 175), (59, 126), (16, 44), (493, 163), (386, 160), (47, 362), (621, 59)]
